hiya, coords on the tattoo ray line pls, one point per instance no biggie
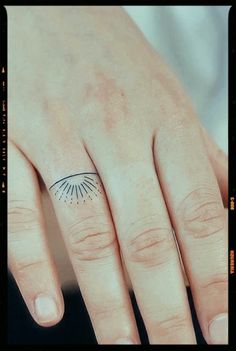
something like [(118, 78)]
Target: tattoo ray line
[(80, 191), (90, 183), (87, 186), (60, 187), (63, 190), (90, 189), (84, 188), (89, 178), (68, 189), (62, 184)]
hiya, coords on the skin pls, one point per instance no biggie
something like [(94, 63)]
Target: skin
[(80, 100)]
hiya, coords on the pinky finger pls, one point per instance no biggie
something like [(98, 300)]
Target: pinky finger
[(28, 254)]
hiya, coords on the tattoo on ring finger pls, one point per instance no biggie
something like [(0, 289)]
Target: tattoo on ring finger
[(77, 188)]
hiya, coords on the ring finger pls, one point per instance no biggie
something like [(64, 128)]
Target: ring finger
[(83, 214)]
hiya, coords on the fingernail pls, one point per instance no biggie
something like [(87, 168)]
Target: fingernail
[(46, 308), (124, 341), (218, 329)]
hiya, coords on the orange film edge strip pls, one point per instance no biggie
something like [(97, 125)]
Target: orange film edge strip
[(232, 264)]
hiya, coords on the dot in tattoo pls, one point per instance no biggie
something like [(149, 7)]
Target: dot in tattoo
[(77, 188)]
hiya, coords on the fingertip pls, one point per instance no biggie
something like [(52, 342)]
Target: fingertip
[(218, 329), (47, 311)]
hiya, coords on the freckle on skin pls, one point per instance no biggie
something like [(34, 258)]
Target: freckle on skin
[(112, 99)]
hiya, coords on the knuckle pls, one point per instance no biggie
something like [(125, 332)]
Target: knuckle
[(108, 309), (25, 267), (150, 246), (216, 283), (179, 123), (91, 239), (173, 324), (21, 217), (201, 213)]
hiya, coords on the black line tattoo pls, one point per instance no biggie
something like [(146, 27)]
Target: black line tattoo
[(87, 186), (90, 183), (90, 188), (77, 188), (84, 188), (89, 178), (80, 191), (73, 175), (63, 191), (62, 184), (68, 189), (65, 187)]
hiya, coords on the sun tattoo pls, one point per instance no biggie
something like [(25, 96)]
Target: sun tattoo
[(77, 188)]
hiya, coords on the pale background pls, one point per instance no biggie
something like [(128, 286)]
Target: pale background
[(194, 41)]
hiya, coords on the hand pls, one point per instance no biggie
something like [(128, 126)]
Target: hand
[(96, 113)]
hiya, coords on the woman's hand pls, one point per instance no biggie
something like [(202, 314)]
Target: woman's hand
[(97, 114)]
